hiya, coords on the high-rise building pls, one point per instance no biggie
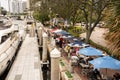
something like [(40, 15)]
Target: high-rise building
[(28, 4), (18, 6), (14, 7), (24, 6), (0, 7), (0, 4)]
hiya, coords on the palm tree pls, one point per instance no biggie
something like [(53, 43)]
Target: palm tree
[(114, 38), (114, 34)]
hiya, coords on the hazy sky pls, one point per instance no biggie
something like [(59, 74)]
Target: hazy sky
[(4, 3)]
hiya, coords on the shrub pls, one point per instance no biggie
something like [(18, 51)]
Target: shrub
[(75, 31)]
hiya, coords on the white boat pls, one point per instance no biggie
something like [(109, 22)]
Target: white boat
[(9, 41)]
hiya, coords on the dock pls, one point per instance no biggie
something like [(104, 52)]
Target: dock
[(27, 63)]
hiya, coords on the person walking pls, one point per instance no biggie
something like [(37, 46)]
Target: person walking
[(97, 74)]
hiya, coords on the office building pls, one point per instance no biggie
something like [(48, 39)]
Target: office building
[(18, 7)]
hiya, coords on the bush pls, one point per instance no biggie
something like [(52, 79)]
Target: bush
[(75, 31)]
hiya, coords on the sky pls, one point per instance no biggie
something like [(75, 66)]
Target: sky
[(4, 3)]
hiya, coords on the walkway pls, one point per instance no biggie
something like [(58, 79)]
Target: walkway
[(75, 74), (77, 69), (27, 64)]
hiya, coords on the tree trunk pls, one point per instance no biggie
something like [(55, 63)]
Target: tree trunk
[(88, 34), (73, 23)]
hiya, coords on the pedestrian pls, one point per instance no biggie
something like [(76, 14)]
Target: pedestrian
[(97, 74), (92, 74), (116, 76), (60, 42)]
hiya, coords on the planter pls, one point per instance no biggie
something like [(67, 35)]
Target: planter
[(68, 75), (62, 66)]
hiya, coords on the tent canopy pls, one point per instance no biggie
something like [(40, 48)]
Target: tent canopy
[(76, 44), (106, 62), (54, 30), (90, 51), (61, 32), (67, 36)]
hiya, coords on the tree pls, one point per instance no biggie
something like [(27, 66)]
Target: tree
[(41, 13), (113, 20), (72, 10), (4, 12), (67, 9), (93, 13)]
